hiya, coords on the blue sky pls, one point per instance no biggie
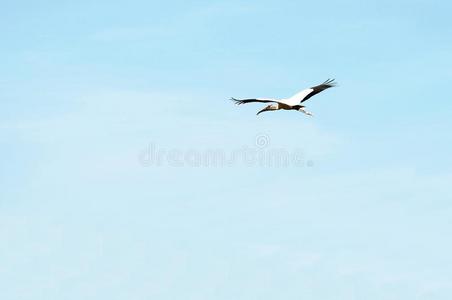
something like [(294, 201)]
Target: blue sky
[(87, 87)]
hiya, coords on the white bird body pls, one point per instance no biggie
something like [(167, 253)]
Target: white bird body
[(292, 103)]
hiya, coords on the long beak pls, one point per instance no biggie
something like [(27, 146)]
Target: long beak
[(265, 109)]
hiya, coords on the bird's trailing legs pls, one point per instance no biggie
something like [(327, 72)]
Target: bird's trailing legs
[(305, 111)]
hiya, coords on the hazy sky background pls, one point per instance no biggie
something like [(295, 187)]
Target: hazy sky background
[(86, 87)]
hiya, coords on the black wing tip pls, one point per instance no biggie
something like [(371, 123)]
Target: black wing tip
[(330, 82), (236, 101)]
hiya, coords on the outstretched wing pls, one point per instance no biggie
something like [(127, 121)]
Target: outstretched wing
[(243, 101), (308, 93), (319, 88)]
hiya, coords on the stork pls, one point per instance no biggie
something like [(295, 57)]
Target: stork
[(292, 103)]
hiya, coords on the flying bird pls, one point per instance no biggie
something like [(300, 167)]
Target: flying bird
[(292, 103)]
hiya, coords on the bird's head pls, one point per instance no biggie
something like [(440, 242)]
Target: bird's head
[(267, 108)]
